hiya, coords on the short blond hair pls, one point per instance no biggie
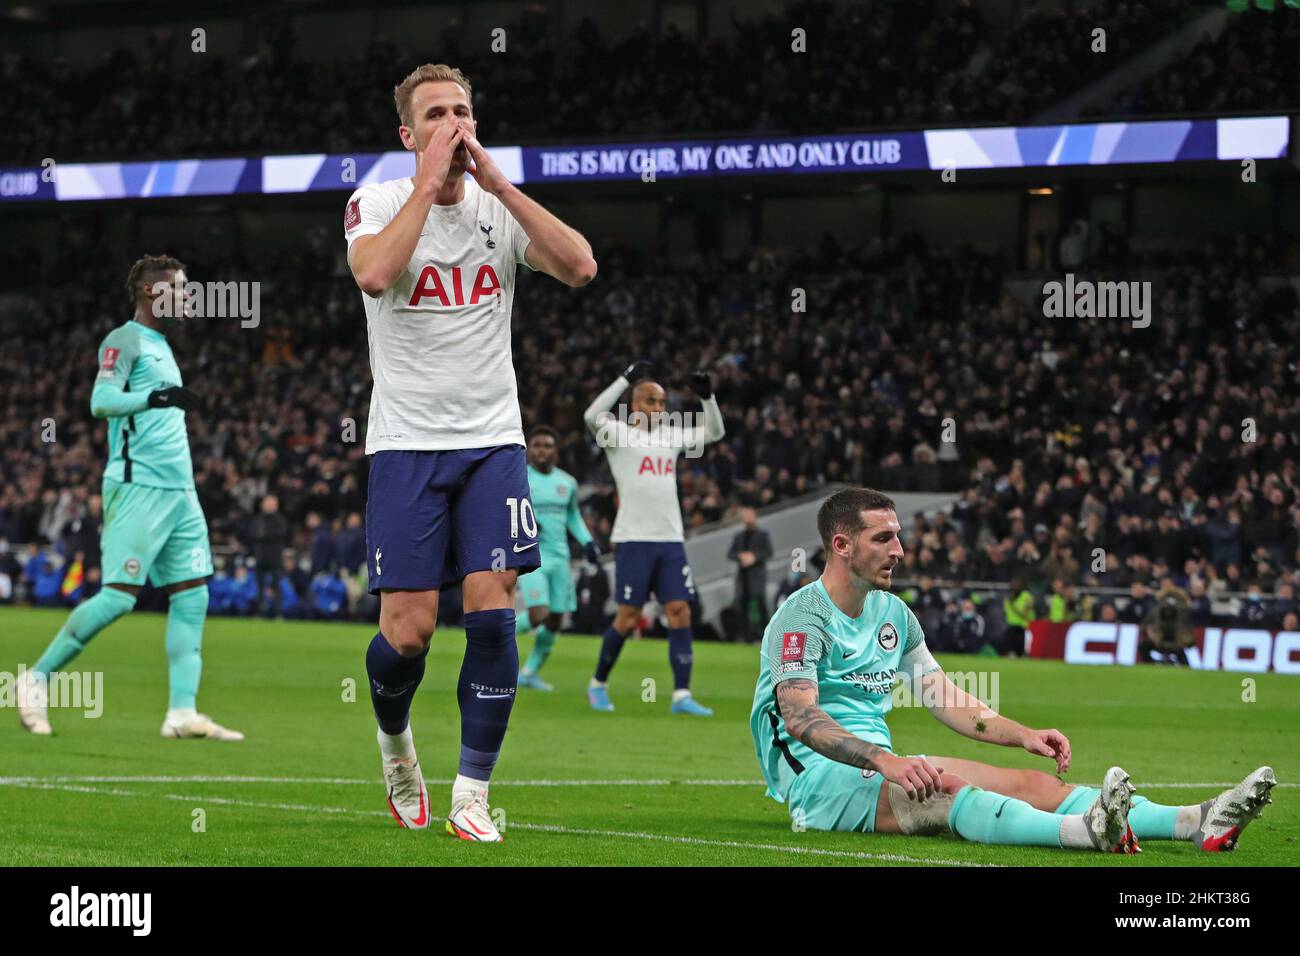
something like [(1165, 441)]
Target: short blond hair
[(429, 73)]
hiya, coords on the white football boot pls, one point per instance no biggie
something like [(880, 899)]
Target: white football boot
[(1107, 818), (470, 817), (408, 798), (195, 726), (33, 704), (1227, 815)]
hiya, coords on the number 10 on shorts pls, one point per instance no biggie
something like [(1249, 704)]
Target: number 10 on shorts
[(521, 512)]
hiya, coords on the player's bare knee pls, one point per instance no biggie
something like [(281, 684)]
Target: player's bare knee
[(1039, 781), (1046, 791), (678, 614), (407, 621), (952, 783), (626, 618), (410, 638), (489, 590)]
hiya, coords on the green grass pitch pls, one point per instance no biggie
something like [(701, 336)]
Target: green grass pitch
[(635, 787)]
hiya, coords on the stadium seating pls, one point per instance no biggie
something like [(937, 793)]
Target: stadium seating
[(1141, 428)]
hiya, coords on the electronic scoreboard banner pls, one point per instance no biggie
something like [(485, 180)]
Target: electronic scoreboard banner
[(1005, 147)]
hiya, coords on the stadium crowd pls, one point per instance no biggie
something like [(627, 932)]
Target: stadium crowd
[(1261, 46), (890, 65), (1173, 449)]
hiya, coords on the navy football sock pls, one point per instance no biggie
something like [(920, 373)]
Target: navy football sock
[(611, 643), (679, 656), (486, 692), (393, 680)]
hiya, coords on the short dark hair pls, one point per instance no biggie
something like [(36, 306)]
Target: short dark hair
[(149, 267), (544, 430), (841, 513)]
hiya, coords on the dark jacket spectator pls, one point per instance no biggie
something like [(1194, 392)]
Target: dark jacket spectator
[(267, 536), (751, 549), (350, 545)]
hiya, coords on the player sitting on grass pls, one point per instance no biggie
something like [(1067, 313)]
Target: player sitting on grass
[(153, 525), (831, 654), (549, 592)]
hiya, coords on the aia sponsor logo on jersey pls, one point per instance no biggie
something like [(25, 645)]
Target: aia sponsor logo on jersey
[(657, 466), (435, 287), (110, 359), (352, 215), (792, 645)]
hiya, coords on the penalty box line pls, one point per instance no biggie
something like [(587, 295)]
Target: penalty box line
[(537, 827)]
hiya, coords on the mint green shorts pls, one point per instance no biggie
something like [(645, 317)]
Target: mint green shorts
[(154, 533), (830, 795), (551, 585)]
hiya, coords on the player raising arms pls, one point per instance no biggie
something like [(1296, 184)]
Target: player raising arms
[(830, 656), (435, 256), (649, 554), (549, 592), (153, 525)]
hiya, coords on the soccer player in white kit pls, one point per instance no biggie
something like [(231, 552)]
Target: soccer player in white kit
[(649, 554), (435, 256)]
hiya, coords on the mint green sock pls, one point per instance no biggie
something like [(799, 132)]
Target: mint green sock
[(984, 817), (86, 620), (185, 615), (1147, 820), (1080, 799), (1152, 821), (541, 649)]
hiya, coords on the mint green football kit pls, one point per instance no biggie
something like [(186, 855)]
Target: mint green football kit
[(154, 528), (855, 663)]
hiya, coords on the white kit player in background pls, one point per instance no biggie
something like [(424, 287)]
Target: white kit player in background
[(649, 553), (448, 500)]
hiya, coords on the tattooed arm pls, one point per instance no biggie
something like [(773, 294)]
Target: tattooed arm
[(807, 723), (816, 730)]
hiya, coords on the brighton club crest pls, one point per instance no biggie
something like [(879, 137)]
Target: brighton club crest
[(887, 636)]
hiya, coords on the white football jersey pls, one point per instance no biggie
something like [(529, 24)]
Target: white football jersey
[(440, 335), (644, 464)]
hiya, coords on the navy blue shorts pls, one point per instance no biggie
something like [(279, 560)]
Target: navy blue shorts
[(433, 517), (645, 567)]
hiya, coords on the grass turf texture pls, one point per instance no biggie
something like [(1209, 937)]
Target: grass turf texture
[(283, 685)]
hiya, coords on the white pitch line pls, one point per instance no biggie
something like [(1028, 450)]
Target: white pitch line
[(181, 779), (776, 847), (1194, 786), (355, 781), (539, 827)]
